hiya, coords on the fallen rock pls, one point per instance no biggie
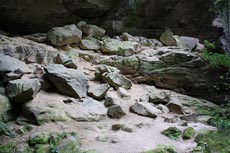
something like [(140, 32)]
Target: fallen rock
[(145, 109), (66, 61), (68, 81), (16, 74), (110, 101), (158, 96), (175, 107), (22, 90), (98, 92), (9, 64), (163, 108), (93, 30), (61, 36), (168, 39), (116, 80), (189, 42), (124, 93), (115, 112), (5, 107), (123, 127), (89, 44), (101, 69)]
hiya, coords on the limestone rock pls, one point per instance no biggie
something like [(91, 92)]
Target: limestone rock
[(61, 36), (68, 81), (22, 90), (101, 69), (116, 80), (10, 64), (168, 39), (89, 44), (66, 61), (189, 42), (145, 109), (93, 30), (98, 92), (116, 111), (5, 107)]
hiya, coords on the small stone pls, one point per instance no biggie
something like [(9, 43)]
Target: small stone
[(124, 93), (175, 107), (110, 101), (116, 112), (98, 92)]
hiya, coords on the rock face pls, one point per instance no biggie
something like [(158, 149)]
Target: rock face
[(183, 17), (67, 81), (22, 90), (61, 36)]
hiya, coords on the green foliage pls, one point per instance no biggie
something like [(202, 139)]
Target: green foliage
[(213, 142), (188, 133), (162, 149), (216, 59), (172, 132), (4, 130), (221, 119)]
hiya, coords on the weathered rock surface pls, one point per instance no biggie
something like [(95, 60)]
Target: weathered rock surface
[(89, 44), (115, 112), (145, 109), (61, 36), (93, 30), (5, 107), (98, 91), (22, 90), (68, 81)]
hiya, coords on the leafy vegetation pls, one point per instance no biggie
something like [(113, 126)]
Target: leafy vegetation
[(5, 130), (162, 149), (172, 132)]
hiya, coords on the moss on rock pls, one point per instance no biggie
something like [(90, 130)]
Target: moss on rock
[(188, 133), (172, 132)]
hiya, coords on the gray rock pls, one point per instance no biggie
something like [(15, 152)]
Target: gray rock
[(16, 74), (116, 80), (9, 64), (175, 107), (110, 101), (101, 69), (89, 44), (5, 107), (68, 81), (163, 108), (37, 37), (124, 93), (189, 42), (98, 92), (168, 39), (158, 96), (145, 109), (66, 61), (116, 112), (22, 90), (61, 36), (93, 30)]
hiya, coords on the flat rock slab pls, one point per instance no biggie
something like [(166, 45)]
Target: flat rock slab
[(68, 81), (98, 91)]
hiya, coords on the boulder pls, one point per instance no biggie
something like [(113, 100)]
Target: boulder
[(89, 44), (61, 36), (68, 81), (22, 90), (93, 30), (168, 39), (9, 64), (116, 80), (145, 109), (189, 42), (66, 61), (115, 112), (98, 92), (5, 107), (158, 96)]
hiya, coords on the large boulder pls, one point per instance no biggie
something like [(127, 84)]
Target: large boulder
[(93, 30), (145, 109), (68, 81), (61, 36), (10, 64), (22, 90)]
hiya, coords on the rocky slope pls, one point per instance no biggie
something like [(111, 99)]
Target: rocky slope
[(83, 92), (139, 17)]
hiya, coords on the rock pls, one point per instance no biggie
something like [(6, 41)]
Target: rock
[(115, 112), (172, 132), (171, 120), (98, 92), (110, 101), (117, 47), (124, 93), (123, 127), (66, 61), (163, 108), (145, 109), (81, 24), (71, 143), (37, 37), (116, 80), (102, 138), (101, 69), (5, 107), (61, 36), (22, 90), (93, 30), (168, 39), (189, 42), (158, 96), (68, 81), (16, 74), (188, 133), (39, 138), (89, 44), (175, 107), (9, 64)]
